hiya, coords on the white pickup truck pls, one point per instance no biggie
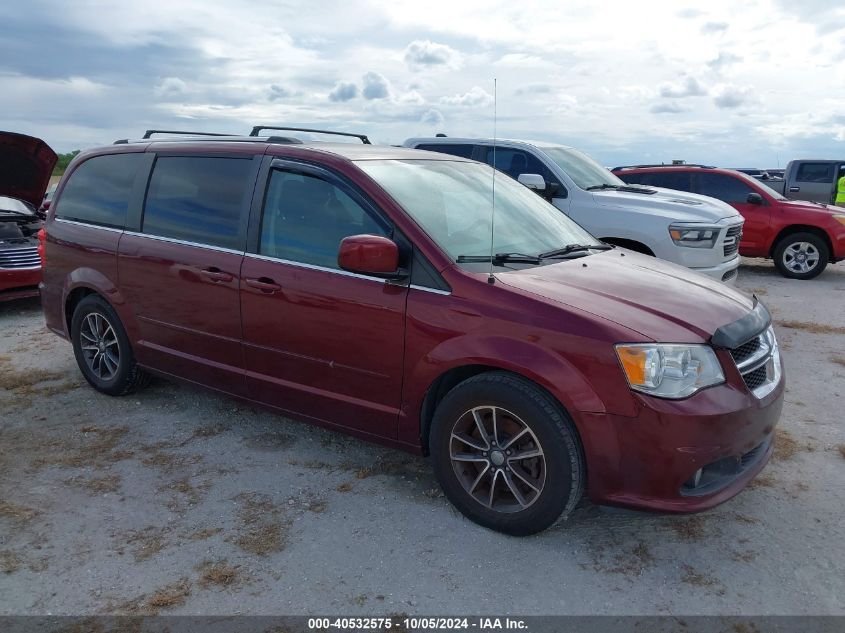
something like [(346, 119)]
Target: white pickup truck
[(695, 231)]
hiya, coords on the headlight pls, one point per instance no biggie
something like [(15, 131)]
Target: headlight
[(694, 236), (669, 371)]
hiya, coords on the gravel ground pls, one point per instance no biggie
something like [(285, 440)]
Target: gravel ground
[(177, 501)]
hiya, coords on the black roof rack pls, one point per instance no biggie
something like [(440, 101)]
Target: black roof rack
[(258, 129), (664, 165), (282, 140), (149, 133)]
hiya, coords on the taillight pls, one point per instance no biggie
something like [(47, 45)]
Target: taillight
[(42, 242)]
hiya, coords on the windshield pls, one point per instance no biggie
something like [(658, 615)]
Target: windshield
[(760, 183), (451, 201), (14, 205), (584, 171)]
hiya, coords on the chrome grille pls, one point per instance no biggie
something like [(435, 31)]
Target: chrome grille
[(20, 258), (758, 360), (731, 241)]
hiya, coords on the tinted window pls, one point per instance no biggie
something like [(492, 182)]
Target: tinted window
[(636, 179), (464, 151), (815, 172), (671, 180), (515, 162), (198, 199), (305, 218), (725, 188), (99, 189)]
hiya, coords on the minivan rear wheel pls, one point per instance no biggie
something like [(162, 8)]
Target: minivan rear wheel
[(506, 454), (801, 256), (102, 348)]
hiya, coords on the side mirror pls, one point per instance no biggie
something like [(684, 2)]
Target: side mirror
[(533, 181), (370, 255), (754, 198)]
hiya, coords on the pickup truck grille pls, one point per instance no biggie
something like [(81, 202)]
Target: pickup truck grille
[(759, 362), (731, 241), (20, 258)]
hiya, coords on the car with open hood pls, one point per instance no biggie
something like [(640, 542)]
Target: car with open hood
[(26, 164), (388, 293), (693, 231)]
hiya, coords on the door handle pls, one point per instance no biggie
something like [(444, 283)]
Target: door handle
[(795, 188), (264, 284), (216, 275)]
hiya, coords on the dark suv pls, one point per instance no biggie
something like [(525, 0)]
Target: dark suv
[(353, 287)]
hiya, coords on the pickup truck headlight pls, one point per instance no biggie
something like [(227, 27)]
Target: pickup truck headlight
[(694, 236), (669, 371)]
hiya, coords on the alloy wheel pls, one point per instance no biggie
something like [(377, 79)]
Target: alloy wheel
[(497, 458), (800, 257), (100, 348)]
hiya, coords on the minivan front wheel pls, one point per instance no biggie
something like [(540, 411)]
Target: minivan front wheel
[(102, 349), (506, 454), (801, 256)]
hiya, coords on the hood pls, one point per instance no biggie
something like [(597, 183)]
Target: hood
[(26, 164), (809, 207), (674, 205), (661, 301)]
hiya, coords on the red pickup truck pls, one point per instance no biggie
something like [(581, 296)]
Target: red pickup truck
[(801, 237)]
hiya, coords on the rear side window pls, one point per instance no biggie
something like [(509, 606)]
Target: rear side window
[(198, 199), (635, 179), (670, 180), (464, 151), (99, 190), (815, 172), (305, 218), (725, 188)]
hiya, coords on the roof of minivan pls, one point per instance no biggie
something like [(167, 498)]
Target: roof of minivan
[(352, 151), (486, 141), (349, 151)]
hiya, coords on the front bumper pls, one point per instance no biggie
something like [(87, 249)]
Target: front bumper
[(17, 283), (646, 462), (726, 271)]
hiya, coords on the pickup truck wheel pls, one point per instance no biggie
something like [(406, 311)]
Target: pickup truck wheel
[(102, 349), (506, 454), (801, 256)]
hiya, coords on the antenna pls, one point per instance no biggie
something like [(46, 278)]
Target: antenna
[(490, 278)]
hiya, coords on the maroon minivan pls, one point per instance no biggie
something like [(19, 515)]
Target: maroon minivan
[(355, 287)]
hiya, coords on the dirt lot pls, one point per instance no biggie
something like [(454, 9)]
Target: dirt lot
[(173, 500)]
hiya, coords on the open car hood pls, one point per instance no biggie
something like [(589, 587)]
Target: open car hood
[(26, 164)]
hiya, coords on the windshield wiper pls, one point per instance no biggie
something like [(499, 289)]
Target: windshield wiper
[(574, 248), (602, 186), (518, 258)]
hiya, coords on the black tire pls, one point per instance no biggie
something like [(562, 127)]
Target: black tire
[(785, 250), (114, 378), (516, 401)]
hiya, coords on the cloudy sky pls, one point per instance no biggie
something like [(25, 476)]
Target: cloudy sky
[(751, 83)]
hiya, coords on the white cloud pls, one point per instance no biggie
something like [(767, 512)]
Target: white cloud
[(170, 87), (432, 117), (421, 54), (476, 97), (375, 86), (723, 60), (689, 87), (731, 97), (343, 91), (714, 27), (670, 107)]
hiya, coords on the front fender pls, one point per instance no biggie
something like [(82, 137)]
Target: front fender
[(522, 357)]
